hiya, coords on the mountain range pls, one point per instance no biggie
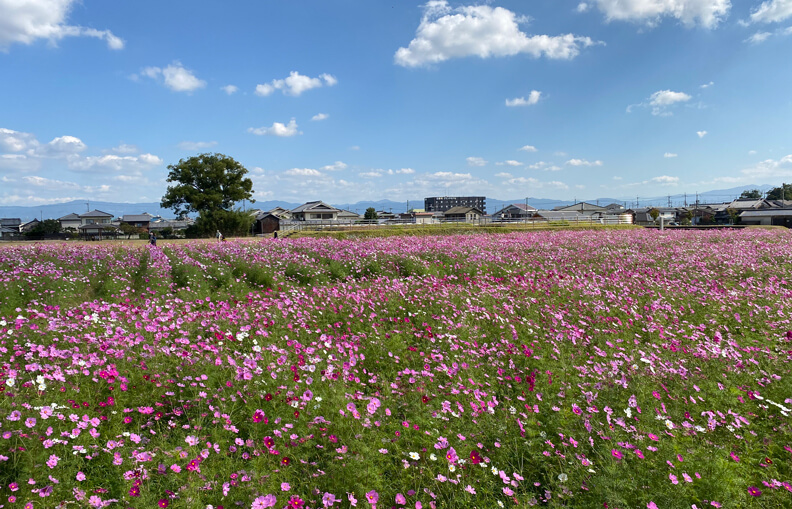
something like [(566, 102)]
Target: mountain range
[(56, 210)]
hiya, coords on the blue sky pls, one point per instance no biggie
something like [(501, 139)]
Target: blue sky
[(346, 100)]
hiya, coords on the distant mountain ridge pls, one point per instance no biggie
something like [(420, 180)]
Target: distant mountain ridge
[(56, 210)]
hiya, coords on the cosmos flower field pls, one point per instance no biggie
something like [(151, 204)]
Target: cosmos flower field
[(620, 369)]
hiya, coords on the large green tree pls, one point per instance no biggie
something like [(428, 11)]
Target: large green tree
[(371, 214), (780, 193), (211, 185)]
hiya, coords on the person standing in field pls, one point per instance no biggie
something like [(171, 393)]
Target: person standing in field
[(153, 239), (219, 236)]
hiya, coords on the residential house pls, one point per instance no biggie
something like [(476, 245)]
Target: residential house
[(9, 227), (26, 227), (347, 216), (773, 216), (70, 221), (584, 209), (267, 222), (97, 225), (315, 211), (137, 220), (280, 212), (176, 225), (463, 214), (515, 211), (643, 216)]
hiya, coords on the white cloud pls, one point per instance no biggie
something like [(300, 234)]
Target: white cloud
[(758, 37), (49, 184), (479, 30), (752, 152), (405, 171), (295, 84), (230, 89), (701, 134), (176, 77), (125, 149), (320, 116), (62, 146), (537, 184), (476, 161), (707, 85), (772, 11), (665, 180), (583, 162), (583, 7), (196, 145), (504, 175), (15, 141), (336, 166), (24, 22), (533, 98), (18, 162), (770, 168), (510, 162), (528, 148), (115, 163), (617, 178), (663, 99), (544, 166), (707, 13), (372, 174), (303, 172), (669, 154), (277, 129)]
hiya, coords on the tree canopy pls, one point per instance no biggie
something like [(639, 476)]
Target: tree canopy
[(370, 214), (780, 193), (211, 185), (753, 194)]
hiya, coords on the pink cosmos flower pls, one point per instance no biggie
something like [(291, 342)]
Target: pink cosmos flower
[(616, 454), (372, 497), (329, 499), (673, 478), (400, 499), (651, 505), (264, 502), (754, 491)]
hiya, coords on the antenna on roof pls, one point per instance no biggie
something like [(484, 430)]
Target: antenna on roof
[(86, 208)]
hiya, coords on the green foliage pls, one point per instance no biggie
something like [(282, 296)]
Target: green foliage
[(654, 213), (233, 223), (129, 230), (371, 214), (210, 184), (752, 194), (780, 193), (46, 227)]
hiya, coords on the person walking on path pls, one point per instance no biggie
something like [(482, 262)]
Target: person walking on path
[(153, 239)]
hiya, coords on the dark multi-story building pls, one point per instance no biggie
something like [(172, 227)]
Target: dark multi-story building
[(443, 203)]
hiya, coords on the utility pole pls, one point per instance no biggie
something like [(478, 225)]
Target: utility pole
[(669, 201), (87, 209), (685, 199), (637, 204)]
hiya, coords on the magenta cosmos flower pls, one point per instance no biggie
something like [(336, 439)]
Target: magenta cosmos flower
[(754, 491), (616, 454), (372, 497)]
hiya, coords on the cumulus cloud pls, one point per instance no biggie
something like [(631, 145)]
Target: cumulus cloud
[(320, 116), (537, 184), (336, 166), (706, 13), (62, 146), (701, 134), (196, 145), (583, 7), (707, 85), (583, 162), (542, 165), (533, 98), (479, 30), (772, 11), (295, 84), (230, 89), (661, 102), (15, 141), (527, 148), (125, 149), (277, 129), (115, 163), (176, 77), (476, 161), (504, 175), (405, 171), (50, 183), (510, 162), (24, 22), (669, 154), (771, 168), (303, 172)]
